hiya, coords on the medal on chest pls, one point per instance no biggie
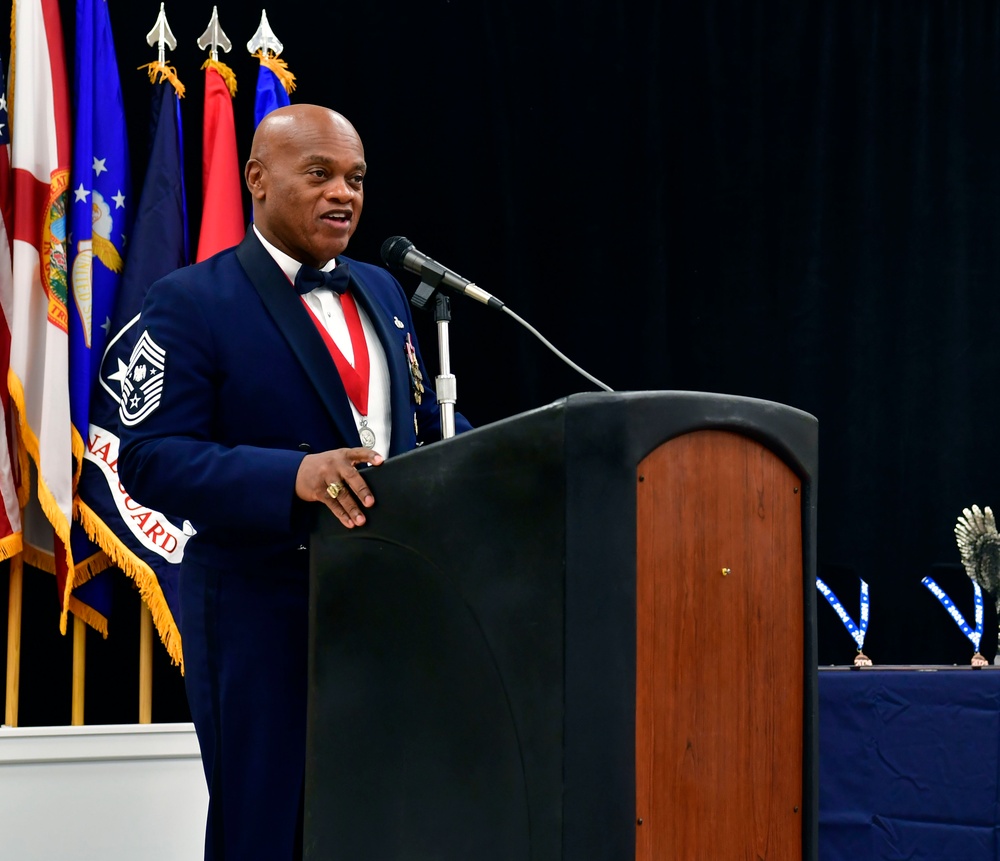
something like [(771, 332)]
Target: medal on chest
[(366, 433), (355, 377)]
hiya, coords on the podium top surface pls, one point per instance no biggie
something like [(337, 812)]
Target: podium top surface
[(629, 425)]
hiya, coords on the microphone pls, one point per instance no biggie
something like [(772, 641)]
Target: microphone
[(399, 253)]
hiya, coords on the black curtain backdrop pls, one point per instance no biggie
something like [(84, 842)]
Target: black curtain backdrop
[(790, 201)]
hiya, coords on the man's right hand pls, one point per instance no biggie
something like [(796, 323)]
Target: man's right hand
[(331, 477)]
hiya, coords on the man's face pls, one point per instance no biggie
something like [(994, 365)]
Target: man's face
[(307, 188)]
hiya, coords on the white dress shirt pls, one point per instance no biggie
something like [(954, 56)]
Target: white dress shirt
[(325, 304)]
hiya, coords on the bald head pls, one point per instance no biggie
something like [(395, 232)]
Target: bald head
[(306, 173), (285, 123)]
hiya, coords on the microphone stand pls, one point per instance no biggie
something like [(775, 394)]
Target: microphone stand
[(445, 383)]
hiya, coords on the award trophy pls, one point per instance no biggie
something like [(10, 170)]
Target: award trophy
[(857, 631), (975, 635), (979, 546)]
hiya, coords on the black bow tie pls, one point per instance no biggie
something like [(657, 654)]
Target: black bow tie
[(309, 278)]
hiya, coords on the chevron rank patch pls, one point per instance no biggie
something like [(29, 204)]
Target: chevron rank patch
[(142, 384)]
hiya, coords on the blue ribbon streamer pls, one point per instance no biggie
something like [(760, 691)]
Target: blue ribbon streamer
[(953, 611), (858, 632)]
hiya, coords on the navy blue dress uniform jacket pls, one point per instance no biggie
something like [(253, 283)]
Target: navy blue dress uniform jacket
[(231, 386)]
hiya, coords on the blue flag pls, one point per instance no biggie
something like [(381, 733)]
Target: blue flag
[(147, 545), (99, 221), (101, 201), (271, 94)]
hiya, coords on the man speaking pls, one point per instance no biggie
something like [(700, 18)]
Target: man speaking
[(261, 380)]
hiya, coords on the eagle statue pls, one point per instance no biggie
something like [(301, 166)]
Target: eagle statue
[(979, 547)]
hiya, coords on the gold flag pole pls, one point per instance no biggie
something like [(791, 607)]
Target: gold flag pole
[(79, 669), (145, 663), (14, 601)]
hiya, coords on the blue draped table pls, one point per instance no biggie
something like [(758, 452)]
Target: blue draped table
[(909, 764)]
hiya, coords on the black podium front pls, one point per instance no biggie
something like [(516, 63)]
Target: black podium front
[(473, 658)]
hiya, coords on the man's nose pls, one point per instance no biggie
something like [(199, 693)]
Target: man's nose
[(339, 189)]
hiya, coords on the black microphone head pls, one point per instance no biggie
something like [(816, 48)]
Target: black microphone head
[(394, 250)]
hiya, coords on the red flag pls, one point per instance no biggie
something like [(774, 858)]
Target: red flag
[(222, 221)]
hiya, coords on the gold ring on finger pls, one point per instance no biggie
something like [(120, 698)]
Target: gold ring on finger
[(334, 488)]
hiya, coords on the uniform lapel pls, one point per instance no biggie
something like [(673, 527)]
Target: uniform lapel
[(285, 308), (399, 372)]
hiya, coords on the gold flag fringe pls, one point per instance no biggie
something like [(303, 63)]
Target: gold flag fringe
[(12, 63), (280, 69), (11, 546), (158, 72), (89, 568), (96, 620), (81, 572), (228, 75), (38, 559), (23, 471), (98, 562), (86, 570), (76, 447), (44, 562), (61, 527), (141, 573)]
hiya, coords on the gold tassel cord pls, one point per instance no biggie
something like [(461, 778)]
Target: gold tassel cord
[(227, 74), (162, 72), (280, 69)]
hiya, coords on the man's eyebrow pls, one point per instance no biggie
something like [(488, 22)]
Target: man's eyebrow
[(325, 159)]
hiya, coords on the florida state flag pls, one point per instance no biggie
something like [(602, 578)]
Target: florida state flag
[(39, 359)]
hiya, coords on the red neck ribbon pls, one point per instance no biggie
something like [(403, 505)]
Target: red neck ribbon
[(355, 377)]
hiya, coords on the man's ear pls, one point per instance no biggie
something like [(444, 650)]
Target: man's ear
[(254, 176)]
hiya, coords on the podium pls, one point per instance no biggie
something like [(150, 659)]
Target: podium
[(584, 633)]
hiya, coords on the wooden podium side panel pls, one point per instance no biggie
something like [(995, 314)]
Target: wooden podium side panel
[(720, 667)]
